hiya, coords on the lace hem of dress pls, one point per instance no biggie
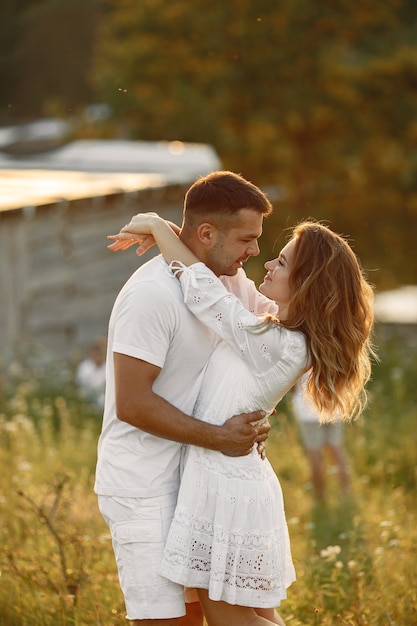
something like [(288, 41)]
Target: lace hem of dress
[(200, 570), (243, 560)]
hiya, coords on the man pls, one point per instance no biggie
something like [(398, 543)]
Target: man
[(157, 353)]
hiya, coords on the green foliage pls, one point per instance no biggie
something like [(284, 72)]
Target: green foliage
[(55, 558), (45, 55), (355, 559), (317, 97)]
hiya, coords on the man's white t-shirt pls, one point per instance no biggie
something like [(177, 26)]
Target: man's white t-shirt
[(150, 322)]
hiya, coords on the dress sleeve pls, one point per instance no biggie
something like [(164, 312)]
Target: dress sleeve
[(208, 299)]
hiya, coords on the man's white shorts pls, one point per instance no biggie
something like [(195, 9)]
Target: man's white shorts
[(139, 528)]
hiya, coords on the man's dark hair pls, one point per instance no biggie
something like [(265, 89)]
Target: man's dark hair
[(221, 195)]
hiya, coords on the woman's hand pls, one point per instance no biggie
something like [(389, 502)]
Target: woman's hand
[(145, 229), (142, 224), (139, 231), (123, 241)]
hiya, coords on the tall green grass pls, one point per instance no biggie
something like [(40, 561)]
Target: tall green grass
[(356, 559)]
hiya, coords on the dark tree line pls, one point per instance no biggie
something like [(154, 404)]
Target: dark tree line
[(46, 50)]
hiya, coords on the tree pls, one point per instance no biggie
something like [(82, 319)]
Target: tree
[(45, 56), (317, 96)]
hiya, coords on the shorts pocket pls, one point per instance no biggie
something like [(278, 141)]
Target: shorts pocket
[(138, 546), (140, 531)]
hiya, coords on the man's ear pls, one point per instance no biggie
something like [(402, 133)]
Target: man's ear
[(206, 233)]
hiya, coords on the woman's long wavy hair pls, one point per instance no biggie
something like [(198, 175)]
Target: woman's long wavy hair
[(332, 304)]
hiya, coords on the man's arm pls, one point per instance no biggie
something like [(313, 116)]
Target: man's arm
[(138, 405)]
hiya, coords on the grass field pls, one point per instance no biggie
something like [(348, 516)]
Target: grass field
[(356, 559)]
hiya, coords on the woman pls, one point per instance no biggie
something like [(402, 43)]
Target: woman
[(229, 536)]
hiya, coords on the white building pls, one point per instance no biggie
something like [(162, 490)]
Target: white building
[(58, 281)]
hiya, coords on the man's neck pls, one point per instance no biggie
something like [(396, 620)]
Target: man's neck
[(192, 243)]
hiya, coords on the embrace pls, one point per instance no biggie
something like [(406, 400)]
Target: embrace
[(197, 359)]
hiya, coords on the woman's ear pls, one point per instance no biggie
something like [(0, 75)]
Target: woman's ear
[(206, 233)]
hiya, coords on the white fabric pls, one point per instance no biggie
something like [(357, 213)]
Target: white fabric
[(139, 527), (303, 407), (149, 321), (92, 380), (229, 533), (313, 434)]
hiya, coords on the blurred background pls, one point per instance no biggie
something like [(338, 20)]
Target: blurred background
[(111, 107), (315, 99)]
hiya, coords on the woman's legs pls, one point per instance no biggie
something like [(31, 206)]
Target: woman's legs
[(224, 614), (272, 615)]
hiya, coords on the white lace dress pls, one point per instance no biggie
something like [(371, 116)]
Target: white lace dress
[(229, 534)]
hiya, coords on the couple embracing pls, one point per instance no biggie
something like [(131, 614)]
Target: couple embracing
[(197, 359)]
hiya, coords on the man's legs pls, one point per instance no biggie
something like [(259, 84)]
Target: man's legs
[(194, 617)]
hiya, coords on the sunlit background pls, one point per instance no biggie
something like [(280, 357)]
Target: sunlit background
[(317, 98), (110, 107)]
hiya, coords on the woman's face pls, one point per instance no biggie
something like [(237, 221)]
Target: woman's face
[(275, 284)]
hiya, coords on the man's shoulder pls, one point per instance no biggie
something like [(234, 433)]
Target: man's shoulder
[(152, 273), (154, 267), (150, 284)]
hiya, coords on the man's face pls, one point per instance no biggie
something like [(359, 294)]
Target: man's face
[(232, 248)]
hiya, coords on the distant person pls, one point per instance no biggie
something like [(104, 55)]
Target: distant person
[(91, 372), (228, 537), (318, 438)]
